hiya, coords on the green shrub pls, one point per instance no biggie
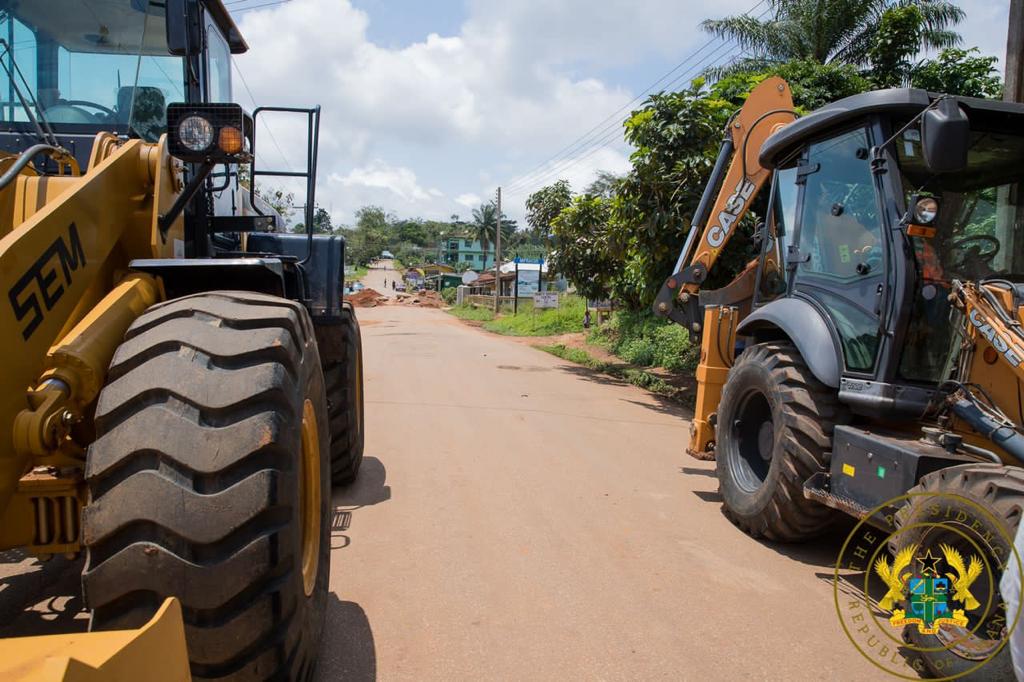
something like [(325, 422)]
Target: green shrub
[(449, 294), (642, 339), (638, 351)]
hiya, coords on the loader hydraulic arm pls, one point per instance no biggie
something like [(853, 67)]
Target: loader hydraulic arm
[(768, 108)]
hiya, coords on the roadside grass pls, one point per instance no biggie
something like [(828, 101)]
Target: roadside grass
[(566, 318), (472, 313), (359, 273), (639, 338), (635, 376)]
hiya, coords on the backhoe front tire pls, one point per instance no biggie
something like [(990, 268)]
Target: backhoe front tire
[(344, 379), (969, 507), (775, 422), (210, 481)]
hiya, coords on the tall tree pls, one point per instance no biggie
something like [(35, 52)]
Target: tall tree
[(836, 31), (544, 205), (482, 227)]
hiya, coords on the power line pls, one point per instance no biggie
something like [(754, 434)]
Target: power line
[(611, 132), (582, 141), (555, 167), (252, 7), (273, 139)]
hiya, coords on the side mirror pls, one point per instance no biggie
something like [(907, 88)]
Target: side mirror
[(184, 36), (945, 137)]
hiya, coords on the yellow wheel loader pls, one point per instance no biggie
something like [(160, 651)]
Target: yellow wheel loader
[(181, 379), (870, 358)]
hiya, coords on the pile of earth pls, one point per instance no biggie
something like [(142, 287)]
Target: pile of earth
[(424, 299), (367, 298)]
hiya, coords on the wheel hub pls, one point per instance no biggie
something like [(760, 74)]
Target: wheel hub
[(766, 440), (309, 497)]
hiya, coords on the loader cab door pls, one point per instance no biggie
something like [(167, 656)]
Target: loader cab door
[(839, 261)]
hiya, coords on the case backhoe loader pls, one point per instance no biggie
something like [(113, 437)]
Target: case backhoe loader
[(880, 331), (181, 380)]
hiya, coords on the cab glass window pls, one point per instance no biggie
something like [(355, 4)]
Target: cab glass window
[(840, 261), (218, 66)]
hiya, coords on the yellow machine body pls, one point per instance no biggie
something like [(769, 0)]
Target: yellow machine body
[(155, 652), (65, 245)]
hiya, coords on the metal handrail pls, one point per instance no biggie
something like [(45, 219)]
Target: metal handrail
[(312, 153)]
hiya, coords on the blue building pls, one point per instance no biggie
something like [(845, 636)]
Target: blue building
[(464, 250)]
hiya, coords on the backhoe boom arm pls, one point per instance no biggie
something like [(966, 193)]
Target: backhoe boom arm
[(768, 108)]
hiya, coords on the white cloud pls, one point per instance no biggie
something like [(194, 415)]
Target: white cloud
[(452, 110), (429, 128), (379, 175), (469, 200)]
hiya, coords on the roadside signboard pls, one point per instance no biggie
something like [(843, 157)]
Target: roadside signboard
[(545, 299)]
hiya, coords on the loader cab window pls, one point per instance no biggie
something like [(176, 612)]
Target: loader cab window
[(840, 261), (976, 235), (771, 281), (218, 66), (89, 66)]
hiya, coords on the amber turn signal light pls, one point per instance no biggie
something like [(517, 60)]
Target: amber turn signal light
[(230, 140)]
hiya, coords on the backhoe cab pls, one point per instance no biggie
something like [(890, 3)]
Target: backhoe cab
[(182, 380), (880, 326)]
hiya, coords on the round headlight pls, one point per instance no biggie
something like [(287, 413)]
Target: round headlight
[(195, 133), (925, 210)]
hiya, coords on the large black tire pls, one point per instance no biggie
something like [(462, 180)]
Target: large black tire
[(345, 400), (202, 487), (1000, 491), (774, 428)]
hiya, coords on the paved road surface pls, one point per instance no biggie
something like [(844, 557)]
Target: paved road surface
[(520, 518)]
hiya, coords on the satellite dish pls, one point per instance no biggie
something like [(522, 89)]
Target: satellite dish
[(469, 277)]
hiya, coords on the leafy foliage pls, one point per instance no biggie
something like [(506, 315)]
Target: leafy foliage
[(895, 43), (838, 31), (642, 339), (584, 254), (544, 205), (959, 72), (484, 227)]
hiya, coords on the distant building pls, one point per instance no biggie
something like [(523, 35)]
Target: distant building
[(467, 251)]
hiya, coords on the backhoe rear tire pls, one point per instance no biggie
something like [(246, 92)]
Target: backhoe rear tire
[(344, 379), (210, 481), (775, 422)]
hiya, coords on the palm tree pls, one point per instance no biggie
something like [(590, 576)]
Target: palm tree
[(481, 228), (826, 31)]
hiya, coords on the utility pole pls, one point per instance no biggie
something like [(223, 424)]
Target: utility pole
[(1008, 215), (497, 257), (1013, 89)]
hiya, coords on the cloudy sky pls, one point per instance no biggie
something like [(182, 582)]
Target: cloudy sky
[(429, 105)]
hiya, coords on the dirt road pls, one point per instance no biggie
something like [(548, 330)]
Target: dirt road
[(518, 517)]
